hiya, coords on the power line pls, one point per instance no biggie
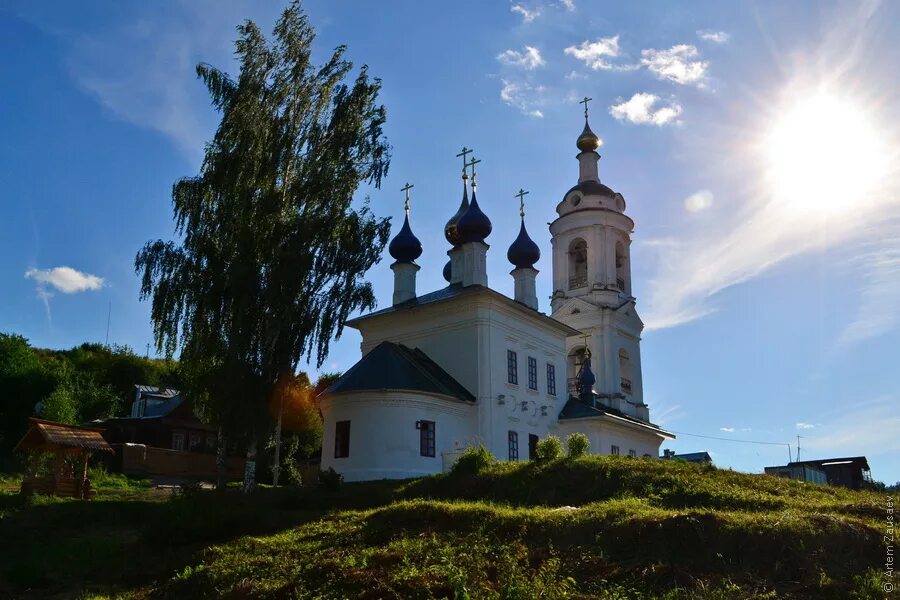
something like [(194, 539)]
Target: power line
[(724, 439)]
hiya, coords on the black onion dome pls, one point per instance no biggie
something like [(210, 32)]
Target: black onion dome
[(405, 247), (450, 231), (523, 252), (588, 140), (447, 272), (474, 225), (586, 378)]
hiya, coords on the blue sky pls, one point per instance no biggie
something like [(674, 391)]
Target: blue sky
[(756, 145)]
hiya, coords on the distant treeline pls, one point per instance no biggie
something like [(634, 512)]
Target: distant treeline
[(88, 382)]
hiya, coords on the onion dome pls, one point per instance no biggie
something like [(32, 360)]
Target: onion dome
[(405, 247), (523, 252), (473, 225), (588, 140), (586, 377), (450, 231), (447, 272)]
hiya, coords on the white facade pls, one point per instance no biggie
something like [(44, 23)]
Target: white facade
[(474, 335)]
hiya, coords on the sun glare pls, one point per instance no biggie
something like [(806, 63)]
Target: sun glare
[(824, 155)]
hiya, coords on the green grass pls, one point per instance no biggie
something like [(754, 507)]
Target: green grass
[(611, 528)]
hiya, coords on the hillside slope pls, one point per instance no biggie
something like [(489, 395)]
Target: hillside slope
[(597, 527)]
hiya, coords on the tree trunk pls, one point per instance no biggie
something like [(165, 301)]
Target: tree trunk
[(276, 468), (250, 467), (221, 460)]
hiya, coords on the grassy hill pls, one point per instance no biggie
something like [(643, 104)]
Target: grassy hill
[(597, 527)]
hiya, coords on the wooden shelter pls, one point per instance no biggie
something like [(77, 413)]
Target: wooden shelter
[(62, 441)]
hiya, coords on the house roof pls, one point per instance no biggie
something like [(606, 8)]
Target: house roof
[(391, 366), (456, 290), (576, 409), (859, 461), (50, 435)]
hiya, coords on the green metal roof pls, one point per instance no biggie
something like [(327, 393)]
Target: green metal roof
[(575, 408), (391, 366)]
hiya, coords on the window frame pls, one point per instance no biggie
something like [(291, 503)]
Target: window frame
[(614, 450), (512, 439), (532, 373), (551, 379), (342, 439), (632, 453), (427, 438), (178, 439), (512, 367)]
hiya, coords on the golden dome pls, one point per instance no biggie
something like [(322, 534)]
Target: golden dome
[(588, 140)]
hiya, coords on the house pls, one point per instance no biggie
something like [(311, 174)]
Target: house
[(161, 418), (850, 472), (467, 365), (702, 458)]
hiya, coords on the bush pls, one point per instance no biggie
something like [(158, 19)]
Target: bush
[(549, 448), (330, 480), (473, 460), (578, 445)]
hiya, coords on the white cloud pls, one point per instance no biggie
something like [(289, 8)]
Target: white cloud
[(65, 279), (676, 64), (595, 54), (527, 15), (805, 426), (698, 201), (642, 109), (569, 4), (868, 427), (572, 75), (727, 429), (529, 59), (719, 37), (876, 311), (523, 96)]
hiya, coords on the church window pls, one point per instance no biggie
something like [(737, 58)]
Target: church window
[(577, 264), (620, 266), (632, 453), (532, 446), (532, 373), (512, 367), (513, 445), (342, 439), (551, 379), (426, 438), (614, 450), (625, 371)]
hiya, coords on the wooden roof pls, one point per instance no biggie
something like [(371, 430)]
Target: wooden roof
[(49, 435)]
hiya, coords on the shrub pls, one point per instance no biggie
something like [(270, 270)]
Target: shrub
[(578, 445), (330, 480), (549, 448), (473, 460)]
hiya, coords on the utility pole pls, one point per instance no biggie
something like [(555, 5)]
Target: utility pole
[(798, 448)]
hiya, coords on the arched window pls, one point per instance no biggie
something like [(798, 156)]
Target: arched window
[(621, 269), (577, 264), (625, 371), (573, 365)]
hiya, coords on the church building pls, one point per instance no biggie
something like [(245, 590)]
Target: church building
[(466, 365)]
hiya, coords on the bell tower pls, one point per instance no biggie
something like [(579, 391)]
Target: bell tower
[(591, 241)]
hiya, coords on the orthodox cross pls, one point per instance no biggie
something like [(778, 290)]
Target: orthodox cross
[(472, 164), (406, 189), (585, 102), (587, 350), (521, 196), (465, 151)]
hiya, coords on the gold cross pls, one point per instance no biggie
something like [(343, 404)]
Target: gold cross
[(472, 164), (406, 189), (585, 102), (521, 196), (587, 350)]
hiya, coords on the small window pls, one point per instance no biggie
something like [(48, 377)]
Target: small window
[(513, 445), (342, 439), (426, 438), (532, 446), (210, 443), (512, 367), (532, 373), (196, 441), (632, 453), (614, 450), (178, 441), (551, 379)]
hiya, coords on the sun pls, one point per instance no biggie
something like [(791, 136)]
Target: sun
[(823, 156)]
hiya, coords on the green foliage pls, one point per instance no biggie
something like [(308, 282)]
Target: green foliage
[(273, 249), (474, 459), (548, 449), (578, 445), (330, 479), (59, 406)]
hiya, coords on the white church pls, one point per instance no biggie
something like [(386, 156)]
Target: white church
[(466, 365)]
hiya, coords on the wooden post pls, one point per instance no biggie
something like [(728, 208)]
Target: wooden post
[(84, 469), (59, 461)]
